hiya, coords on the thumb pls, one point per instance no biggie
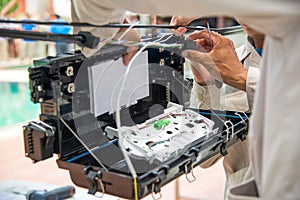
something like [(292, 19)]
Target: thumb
[(195, 56)]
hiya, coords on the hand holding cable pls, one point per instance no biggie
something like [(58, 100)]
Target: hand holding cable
[(217, 54)]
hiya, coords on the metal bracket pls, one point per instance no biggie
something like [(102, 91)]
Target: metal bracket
[(94, 179), (186, 172)]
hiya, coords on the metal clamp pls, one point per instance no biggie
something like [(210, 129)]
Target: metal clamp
[(242, 136), (101, 186), (242, 118), (186, 172), (227, 130), (223, 150)]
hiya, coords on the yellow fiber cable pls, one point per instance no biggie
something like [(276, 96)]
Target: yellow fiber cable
[(136, 196)]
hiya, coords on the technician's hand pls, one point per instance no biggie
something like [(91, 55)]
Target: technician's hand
[(132, 35), (181, 21), (221, 60), (201, 75)]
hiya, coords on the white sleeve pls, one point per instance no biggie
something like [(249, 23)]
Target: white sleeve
[(251, 84), (269, 17), (96, 12), (205, 97)]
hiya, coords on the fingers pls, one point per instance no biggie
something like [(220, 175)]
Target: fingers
[(210, 38), (131, 35), (205, 60), (203, 45), (128, 56), (181, 21), (180, 31), (174, 21), (202, 39), (198, 35), (196, 56)]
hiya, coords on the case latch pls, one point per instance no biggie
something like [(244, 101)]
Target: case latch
[(188, 167), (223, 150), (94, 179), (156, 184)]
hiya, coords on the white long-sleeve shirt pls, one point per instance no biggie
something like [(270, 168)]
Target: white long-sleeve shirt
[(274, 132), (236, 163), (227, 97)]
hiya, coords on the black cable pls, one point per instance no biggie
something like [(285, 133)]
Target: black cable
[(85, 38), (83, 24), (82, 39)]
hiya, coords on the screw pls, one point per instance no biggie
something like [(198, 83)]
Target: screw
[(162, 62), (71, 88), (70, 71), (41, 100), (40, 88)]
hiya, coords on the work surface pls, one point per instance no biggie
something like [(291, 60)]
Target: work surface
[(16, 190), (14, 167)]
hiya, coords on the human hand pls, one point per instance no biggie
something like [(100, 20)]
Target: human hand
[(131, 35), (181, 21), (201, 75), (221, 60)]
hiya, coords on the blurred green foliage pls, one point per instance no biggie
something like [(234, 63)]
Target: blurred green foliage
[(3, 3)]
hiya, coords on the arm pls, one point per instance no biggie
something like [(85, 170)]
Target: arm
[(97, 13), (271, 20)]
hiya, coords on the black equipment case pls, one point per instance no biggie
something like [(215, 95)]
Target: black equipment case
[(65, 112)]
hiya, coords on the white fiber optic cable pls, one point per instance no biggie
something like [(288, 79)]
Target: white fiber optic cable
[(118, 118)]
